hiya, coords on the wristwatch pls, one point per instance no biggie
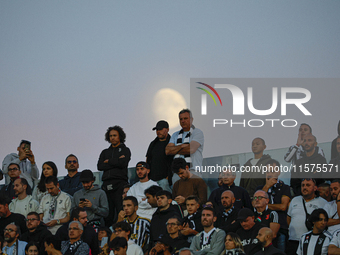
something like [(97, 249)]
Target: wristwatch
[(58, 222)]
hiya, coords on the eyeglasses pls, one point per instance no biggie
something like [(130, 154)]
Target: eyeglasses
[(73, 229), (258, 198), (9, 230), (31, 219), (172, 224), (13, 169), (71, 161)]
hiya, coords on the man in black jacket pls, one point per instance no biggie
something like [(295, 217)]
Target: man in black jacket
[(89, 235), (114, 162), (37, 231), (265, 237), (160, 163)]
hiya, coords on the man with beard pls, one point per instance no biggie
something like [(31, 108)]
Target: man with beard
[(140, 227), (24, 203), (14, 246), (265, 237), (37, 231), (311, 157), (333, 208), (249, 231), (137, 190), (188, 184), (296, 215), (7, 217), (227, 218), (211, 240), (92, 198), (71, 183)]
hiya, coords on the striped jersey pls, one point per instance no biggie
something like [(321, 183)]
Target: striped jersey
[(140, 230), (314, 244)]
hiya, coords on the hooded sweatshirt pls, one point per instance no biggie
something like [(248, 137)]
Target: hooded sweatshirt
[(38, 235), (98, 198)]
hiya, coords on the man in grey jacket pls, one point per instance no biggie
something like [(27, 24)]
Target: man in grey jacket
[(92, 198), (211, 240)]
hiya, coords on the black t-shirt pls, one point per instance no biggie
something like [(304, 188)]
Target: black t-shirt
[(250, 243), (159, 167), (14, 218)]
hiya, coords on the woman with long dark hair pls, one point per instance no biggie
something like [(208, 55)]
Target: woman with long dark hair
[(48, 169)]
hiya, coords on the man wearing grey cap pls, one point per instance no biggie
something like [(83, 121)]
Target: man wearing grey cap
[(92, 198), (160, 163), (249, 231)]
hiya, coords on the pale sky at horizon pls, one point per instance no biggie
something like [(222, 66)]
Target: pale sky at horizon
[(71, 69)]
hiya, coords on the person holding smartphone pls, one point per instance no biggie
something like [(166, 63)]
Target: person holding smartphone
[(26, 160)]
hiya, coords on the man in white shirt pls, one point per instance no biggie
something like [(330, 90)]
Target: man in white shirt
[(54, 207), (333, 207), (137, 190), (24, 203), (296, 215)]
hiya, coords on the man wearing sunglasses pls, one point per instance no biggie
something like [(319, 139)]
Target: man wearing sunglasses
[(71, 182)]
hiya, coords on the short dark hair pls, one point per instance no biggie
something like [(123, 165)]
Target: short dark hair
[(336, 180), (123, 225), (71, 155), (193, 197), (54, 241), (75, 212), (14, 164), (314, 217), (35, 214), (324, 185), (106, 229), (178, 219), (24, 142), (118, 242), (178, 163), (127, 186), (264, 143), (184, 111), (164, 193), (310, 128), (122, 135), (23, 182), (51, 179), (4, 200), (152, 190), (273, 161), (133, 199), (211, 209)]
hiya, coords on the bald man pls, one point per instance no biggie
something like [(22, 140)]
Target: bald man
[(227, 218), (265, 237), (312, 157)]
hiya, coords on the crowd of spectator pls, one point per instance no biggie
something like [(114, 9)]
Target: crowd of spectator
[(168, 211)]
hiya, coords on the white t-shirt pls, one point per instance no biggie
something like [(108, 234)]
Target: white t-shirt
[(297, 213), (137, 190), (63, 207), (331, 209), (24, 206)]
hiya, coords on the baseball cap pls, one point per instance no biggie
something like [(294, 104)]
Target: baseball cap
[(143, 164), (161, 124), (244, 213)]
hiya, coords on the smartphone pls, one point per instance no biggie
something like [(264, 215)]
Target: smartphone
[(27, 147), (82, 200), (104, 241)]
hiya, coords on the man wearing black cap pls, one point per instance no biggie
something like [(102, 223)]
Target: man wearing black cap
[(137, 190), (249, 231), (92, 198), (160, 163)]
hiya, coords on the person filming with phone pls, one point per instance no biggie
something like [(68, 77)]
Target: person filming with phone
[(26, 161)]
